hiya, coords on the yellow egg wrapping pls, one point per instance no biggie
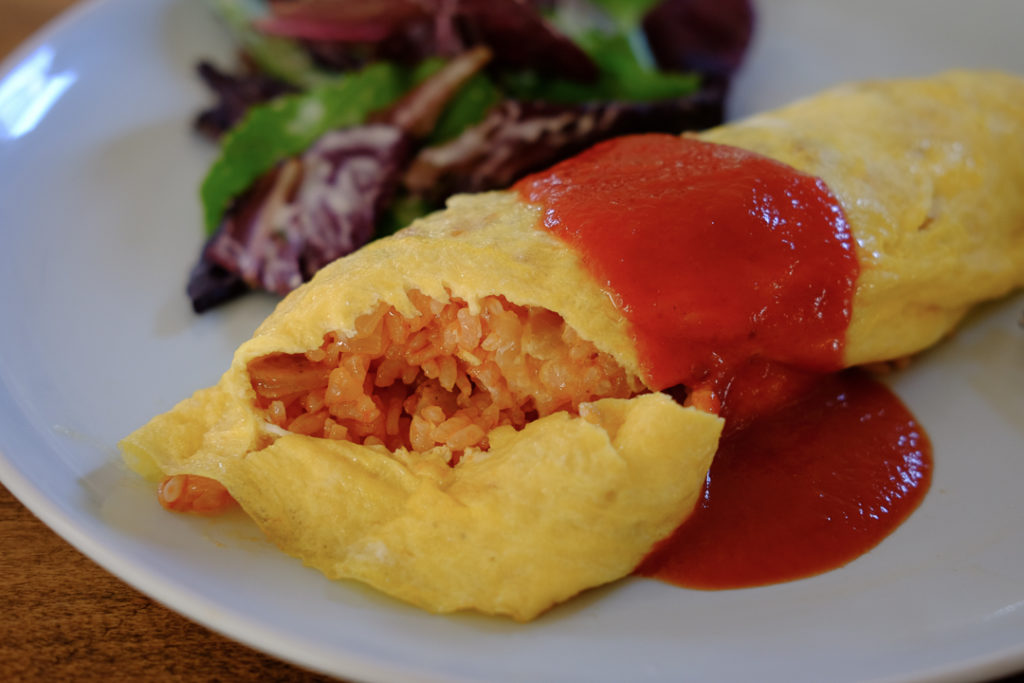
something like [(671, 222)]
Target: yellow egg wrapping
[(931, 176)]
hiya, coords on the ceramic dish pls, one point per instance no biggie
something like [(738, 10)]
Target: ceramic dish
[(100, 221)]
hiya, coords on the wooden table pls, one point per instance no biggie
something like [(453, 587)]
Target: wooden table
[(62, 617)]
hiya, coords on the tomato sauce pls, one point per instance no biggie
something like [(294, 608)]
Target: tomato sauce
[(742, 255), (744, 299), (803, 491)]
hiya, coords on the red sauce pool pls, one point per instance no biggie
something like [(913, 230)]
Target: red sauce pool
[(801, 492), (744, 299)]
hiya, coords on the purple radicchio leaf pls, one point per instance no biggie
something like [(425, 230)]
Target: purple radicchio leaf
[(518, 138), (707, 36), (311, 210), (521, 38), (235, 94), (348, 34), (210, 284), (357, 21)]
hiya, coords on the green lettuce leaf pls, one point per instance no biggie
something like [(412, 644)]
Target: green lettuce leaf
[(288, 125), (468, 108), (623, 76), (626, 13)]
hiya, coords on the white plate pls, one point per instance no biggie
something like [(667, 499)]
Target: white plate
[(100, 222)]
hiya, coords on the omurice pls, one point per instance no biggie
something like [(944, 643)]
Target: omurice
[(516, 398)]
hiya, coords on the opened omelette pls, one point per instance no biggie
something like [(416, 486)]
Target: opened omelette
[(475, 414)]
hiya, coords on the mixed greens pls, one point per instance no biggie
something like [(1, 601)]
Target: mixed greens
[(349, 118)]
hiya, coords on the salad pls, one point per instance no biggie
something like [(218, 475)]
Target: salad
[(345, 119)]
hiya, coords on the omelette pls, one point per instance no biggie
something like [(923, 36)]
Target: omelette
[(461, 415)]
